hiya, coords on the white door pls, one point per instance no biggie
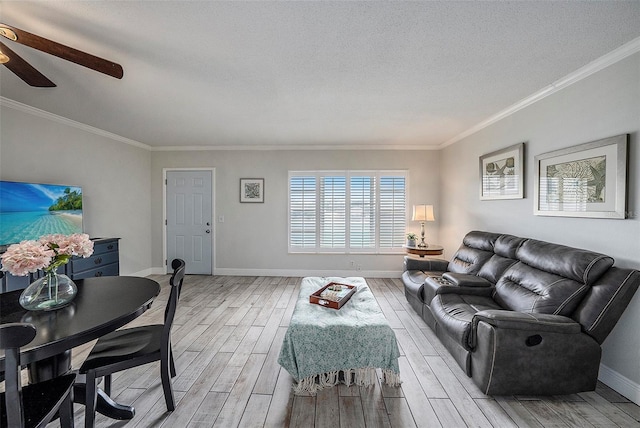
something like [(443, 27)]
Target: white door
[(189, 220)]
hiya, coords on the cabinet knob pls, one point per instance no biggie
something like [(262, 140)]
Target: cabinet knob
[(98, 260), (110, 247)]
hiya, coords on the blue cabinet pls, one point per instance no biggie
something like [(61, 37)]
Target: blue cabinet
[(105, 261)]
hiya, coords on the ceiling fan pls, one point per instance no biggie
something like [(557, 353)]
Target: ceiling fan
[(33, 77)]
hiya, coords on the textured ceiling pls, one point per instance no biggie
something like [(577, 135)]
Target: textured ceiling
[(307, 74)]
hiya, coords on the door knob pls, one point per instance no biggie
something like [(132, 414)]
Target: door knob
[(208, 231)]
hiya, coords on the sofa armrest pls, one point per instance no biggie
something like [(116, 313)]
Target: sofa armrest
[(523, 321), (518, 353), (425, 265), (466, 280), (527, 321)]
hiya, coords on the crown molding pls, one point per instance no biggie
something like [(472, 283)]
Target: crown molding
[(97, 131), (72, 123), (593, 67), (245, 147)]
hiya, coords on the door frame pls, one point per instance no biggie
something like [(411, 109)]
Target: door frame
[(167, 268)]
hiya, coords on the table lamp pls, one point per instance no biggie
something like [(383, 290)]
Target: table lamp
[(422, 213)]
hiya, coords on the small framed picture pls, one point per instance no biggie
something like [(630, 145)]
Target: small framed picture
[(502, 173), (252, 190), (587, 180)]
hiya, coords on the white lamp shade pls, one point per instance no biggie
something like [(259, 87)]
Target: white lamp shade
[(423, 213)]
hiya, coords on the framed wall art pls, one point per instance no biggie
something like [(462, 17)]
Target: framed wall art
[(252, 190), (587, 180), (502, 173)]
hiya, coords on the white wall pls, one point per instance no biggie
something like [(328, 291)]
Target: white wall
[(114, 177), (605, 104), (253, 237)]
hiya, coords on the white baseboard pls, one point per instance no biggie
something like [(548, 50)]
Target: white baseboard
[(306, 272), (142, 273), (614, 380), (288, 272)]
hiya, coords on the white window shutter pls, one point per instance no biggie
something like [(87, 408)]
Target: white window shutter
[(333, 212), (302, 212), (392, 211), (362, 218)]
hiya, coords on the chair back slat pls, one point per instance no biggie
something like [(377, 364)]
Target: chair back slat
[(177, 277), (179, 271), (12, 337)]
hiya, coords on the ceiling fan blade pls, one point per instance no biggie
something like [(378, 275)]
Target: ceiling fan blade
[(24, 70), (61, 51)]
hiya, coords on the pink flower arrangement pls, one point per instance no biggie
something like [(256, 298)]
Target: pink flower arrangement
[(47, 253)]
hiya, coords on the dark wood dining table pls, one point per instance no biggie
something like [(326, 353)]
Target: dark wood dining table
[(101, 306)]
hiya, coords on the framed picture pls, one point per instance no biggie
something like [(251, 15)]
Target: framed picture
[(502, 174), (252, 190), (587, 180)]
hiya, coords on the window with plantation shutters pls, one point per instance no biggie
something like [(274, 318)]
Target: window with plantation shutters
[(347, 211)]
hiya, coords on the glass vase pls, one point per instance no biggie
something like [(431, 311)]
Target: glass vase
[(52, 291)]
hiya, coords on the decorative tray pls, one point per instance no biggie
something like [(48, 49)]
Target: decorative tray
[(333, 295)]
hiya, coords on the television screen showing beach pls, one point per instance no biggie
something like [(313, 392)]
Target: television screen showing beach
[(28, 210)]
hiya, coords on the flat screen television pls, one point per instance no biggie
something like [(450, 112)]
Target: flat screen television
[(30, 210)]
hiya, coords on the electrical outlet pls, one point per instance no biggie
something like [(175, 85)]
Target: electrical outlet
[(358, 268), (352, 264)]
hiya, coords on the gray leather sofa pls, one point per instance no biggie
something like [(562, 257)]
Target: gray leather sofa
[(521, 316)]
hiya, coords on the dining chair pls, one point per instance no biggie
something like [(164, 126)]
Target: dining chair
[(132, 347), (33, 405)]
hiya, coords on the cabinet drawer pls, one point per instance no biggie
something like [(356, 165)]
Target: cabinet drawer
[(112, 269), (96, 260), (15, 282), (104, 246)]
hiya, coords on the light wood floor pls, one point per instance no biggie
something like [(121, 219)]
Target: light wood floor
[(226, 340)]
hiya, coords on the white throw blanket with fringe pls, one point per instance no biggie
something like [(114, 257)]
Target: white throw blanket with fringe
[(359, 377), (323, 347)]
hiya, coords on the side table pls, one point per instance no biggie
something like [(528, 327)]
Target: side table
[(431, 250)]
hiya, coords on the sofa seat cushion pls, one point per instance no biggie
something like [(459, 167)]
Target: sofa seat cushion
[(454, 314)]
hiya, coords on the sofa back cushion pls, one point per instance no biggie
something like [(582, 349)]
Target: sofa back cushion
[(505, 248), (475, 251), (493, 269), (485, 254), (549, 278), (580, 265), (524, 288)]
